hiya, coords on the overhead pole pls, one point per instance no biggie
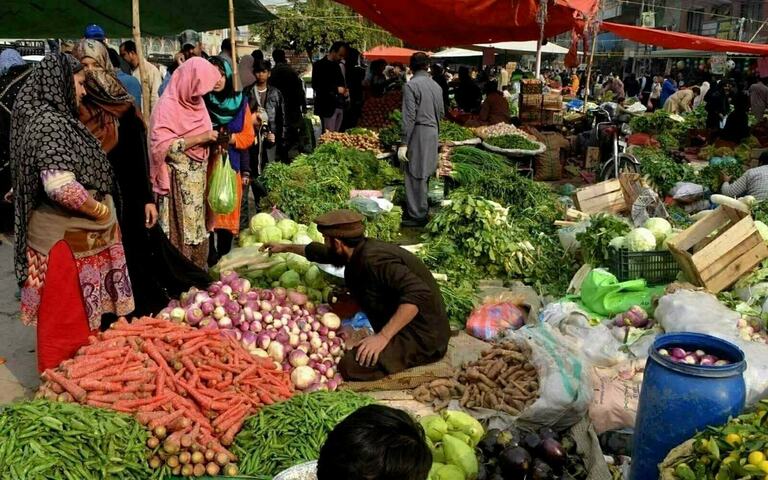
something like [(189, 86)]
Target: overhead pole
[(589, 67), (136, 30), (233, 40), (542, 18)]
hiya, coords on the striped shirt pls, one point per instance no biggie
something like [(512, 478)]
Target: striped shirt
[(754, 182)]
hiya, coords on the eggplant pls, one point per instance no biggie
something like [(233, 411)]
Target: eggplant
[(531, 442), (552, 451), (515, 463), (488, 444), (541, 470), (547, 432)]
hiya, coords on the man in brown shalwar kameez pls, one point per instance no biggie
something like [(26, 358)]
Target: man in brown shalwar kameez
[(394, 289)]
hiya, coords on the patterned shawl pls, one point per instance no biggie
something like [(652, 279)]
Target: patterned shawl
[(107, 98), (46, 135)]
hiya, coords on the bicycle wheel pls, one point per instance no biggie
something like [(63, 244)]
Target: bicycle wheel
[(627, 164)]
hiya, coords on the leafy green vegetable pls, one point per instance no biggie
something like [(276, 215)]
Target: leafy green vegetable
[(662, 170), (512, 142), (390, 135), (595, 240), (710, 176), (453, 132)]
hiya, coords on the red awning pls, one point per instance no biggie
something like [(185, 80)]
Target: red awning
[(667, 39), (443, 23), (390, 54)]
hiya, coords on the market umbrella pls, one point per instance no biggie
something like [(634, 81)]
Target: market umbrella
[(390, 54), (68, 18), (525, 47), (457, 53), (436, 23)]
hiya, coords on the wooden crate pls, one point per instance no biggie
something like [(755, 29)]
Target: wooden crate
[(553, 101), (631, 186), (530, 101), (716, 261), (550, 117), (601, 197)]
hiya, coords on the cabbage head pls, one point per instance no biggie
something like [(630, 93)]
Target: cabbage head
[(617, 243), (261, 220), (270, 234), (314, 233), (763, 229), (659, 227), (298, 264), (288, 227), (290, 279), (314, 277), (302, 238), (276, 271), (640, 240)]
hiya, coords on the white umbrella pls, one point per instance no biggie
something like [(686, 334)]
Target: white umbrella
[(457, 53), (525, 47)]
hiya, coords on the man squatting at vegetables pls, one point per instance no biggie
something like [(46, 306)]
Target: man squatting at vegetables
[(392, 286)]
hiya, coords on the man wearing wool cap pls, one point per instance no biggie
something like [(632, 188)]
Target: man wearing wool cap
[(393, 288)]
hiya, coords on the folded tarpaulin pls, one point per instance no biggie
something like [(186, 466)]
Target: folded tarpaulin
[(663, 38), (67, 19), (390, 54), (436, 23)]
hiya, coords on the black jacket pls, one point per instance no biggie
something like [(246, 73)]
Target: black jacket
[(275, 107), (285, 79), (326, 79)]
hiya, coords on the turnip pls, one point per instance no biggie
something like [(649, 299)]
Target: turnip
[(225, 322), (266, 306), (323, 331), (207, 307), (226, 290), (263, 341), (332, 385), (315, 326), (307, 327), (228, 277), (280, 293), (177, 315), (249, 339), (276, 351), (259, 352), (721, 363), (256, 326), (293, 340), (309, 307), (690, 359), (298, 358), (303, 337), (214, 288), (331, 335), (315, 343), (699, 353), (194, 315), (305, 347), (173, 304), (706, 361), (678, 352), (268, 319), (220, 299), (278, 323), (330, 320), (303, 377)]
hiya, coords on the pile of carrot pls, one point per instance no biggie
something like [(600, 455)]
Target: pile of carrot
[(193, 388)]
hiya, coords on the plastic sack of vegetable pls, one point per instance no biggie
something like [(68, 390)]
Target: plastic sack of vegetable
[(603, 294), (496, 315), (222, 192), (565, 388)]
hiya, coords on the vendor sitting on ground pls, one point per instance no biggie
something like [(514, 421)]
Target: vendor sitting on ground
[(754, 182), (375, 442), (682, 100), (495, 108), (392, 287)]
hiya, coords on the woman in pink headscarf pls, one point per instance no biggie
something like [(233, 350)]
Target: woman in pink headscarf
[(181, 133)]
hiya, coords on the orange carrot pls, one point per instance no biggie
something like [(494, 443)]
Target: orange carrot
[(166, 419), (96, 403), (229, 436), (70, 386), (145, 417), (90, 365), (90, 384), (160, 382), (234, 412)]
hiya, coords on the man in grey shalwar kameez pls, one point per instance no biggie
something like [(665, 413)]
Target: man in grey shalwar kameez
[(422, 110)]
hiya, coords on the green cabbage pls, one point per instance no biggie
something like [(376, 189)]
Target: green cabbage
[(763, 229), (659, 227), (261, 220), (640, 240), (298, 263), (617, 243), (314, 277), (302, 238), (315, 295), (276, 271), (314, 234), (288, 227), (247, 239), (290, 279), (270, 234)]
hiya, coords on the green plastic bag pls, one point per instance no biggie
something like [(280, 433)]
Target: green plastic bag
[(603, 294), (222, 193)]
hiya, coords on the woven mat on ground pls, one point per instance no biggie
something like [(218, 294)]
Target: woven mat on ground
[(461, 348)]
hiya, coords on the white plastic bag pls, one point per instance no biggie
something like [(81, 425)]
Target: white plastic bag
[(701, 312), (564, 380), (696, 311), (596, 343)]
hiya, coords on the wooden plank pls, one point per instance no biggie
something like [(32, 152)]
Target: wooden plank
[(602, 202), (730, 256), (733, 214), (684, 260), (724, 242), (738, 269), (697, 232), (598, 189)]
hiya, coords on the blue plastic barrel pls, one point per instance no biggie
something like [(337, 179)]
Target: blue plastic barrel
[(678, 399)]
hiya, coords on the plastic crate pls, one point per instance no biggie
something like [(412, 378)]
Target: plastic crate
[(657, 267)]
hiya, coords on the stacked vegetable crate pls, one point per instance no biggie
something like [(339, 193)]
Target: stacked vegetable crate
[(531, 101), (552, 110), (657, 267), (719, 249), (601, 197)]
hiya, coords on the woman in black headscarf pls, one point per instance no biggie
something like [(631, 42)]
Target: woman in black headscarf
[(68, 258)]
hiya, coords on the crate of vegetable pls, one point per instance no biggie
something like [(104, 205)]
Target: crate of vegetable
[(643, 253)]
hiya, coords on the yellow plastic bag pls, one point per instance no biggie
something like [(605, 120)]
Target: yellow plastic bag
[(222, 193)]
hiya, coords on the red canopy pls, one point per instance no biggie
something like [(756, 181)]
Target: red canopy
[(667, 39), (439, 23), (390, 54)]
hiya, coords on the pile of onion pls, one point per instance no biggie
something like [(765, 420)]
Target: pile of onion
[(692, 357), (283, 325)]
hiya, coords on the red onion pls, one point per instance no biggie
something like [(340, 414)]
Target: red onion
[(722, 363), (699, 353), (706, 361), (678, 352)]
